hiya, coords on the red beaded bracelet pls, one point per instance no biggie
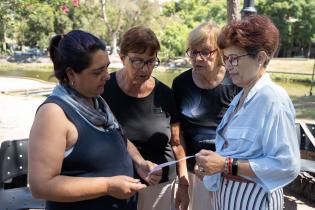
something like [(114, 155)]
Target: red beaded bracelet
[(225, 169), (230, 165)]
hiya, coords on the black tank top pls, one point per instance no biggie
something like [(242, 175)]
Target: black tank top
[(96, 154)]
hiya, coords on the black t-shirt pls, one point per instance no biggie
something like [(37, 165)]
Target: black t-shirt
[(201, 110), (146, 121)]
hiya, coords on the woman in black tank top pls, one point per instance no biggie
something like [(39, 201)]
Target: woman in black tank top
[(78, 155)]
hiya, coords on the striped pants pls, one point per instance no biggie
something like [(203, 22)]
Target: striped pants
[(235, 195)]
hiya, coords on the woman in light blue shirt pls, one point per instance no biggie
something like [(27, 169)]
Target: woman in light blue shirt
[(257, 151)]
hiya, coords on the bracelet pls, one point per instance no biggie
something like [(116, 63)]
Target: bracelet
[(234, 167), (225, 169), (230, 160), (185, 185)]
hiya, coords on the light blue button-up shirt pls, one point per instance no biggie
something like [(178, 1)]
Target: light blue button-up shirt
[(263, 132)]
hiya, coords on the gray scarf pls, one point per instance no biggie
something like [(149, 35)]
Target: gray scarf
[(99, 116)]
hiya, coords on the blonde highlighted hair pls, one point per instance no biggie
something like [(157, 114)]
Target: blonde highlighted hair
[(202, 33)]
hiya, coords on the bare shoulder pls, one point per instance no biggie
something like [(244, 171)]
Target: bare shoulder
[(50, 122), (51, 114), (47, 143), (48, 110)]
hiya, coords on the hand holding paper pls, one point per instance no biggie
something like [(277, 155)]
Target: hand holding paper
[(159, 167), (143, 170)]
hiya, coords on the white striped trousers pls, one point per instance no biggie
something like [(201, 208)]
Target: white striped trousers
[(235, 195)]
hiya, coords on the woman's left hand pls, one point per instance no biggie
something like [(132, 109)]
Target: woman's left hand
[(209, 162), (182, 197), (143, 170)]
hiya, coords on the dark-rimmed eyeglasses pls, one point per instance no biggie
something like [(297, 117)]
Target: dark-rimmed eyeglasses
[(204, 54), (139, 64), (232, 59)]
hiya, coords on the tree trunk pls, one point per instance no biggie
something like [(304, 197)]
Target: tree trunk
[(114, 44), (309, 47), (4, 44), (233, 10), (111, 31)]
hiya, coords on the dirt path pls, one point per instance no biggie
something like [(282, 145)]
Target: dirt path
[(17, 111), (16, 116)]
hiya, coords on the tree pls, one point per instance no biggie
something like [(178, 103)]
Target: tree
[(295, 20), (173, 39), (193, 12), (119, 15), (180, 17), (8, 12), (305, 28), (39, 29), (233, 11)]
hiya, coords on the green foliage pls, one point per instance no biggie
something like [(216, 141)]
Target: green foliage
[(40, 25), (295, 20), (173, 39), (122, 15), (87, 17), (193, 12), (62, 23), (7, 23), (182, 16), (33, 22)]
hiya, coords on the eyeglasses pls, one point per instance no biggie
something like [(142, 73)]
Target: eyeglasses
[(232, 59), (139, 64), (204, 54)]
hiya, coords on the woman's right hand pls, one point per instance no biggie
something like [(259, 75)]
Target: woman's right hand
[(198, 172), (209, 162), (123, 187)]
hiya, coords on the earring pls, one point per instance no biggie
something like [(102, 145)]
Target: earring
[(72, 83)]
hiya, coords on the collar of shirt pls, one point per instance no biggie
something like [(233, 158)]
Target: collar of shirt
[(265, 79)]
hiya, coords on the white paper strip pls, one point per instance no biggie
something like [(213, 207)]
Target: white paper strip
[(159, 167)]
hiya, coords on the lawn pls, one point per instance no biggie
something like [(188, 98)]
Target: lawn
[(305, 105), (26, 67), (302, 66)]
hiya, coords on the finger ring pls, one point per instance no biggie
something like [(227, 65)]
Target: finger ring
[(201, 169)]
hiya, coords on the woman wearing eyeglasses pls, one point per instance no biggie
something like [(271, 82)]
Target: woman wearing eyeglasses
[(257, 151), (146, 110), (203, 94)]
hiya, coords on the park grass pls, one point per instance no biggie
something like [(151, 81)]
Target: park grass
[(302, 66), (307, 79), (304, 105), (46, 67), (291, 65)]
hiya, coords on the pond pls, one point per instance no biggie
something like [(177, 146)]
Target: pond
[(293, 88)]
